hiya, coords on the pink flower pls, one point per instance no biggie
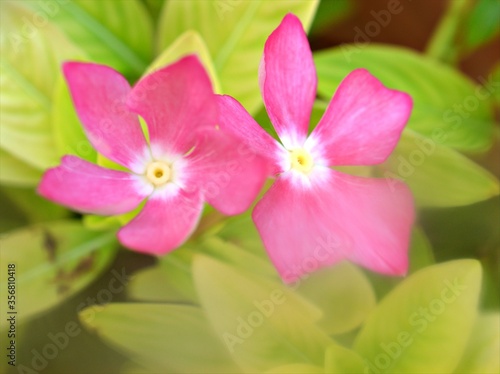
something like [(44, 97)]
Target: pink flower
[(314, 216), (187, 161)]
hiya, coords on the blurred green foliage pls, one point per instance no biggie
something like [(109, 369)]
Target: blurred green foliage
[(482, 24), (217, 304)]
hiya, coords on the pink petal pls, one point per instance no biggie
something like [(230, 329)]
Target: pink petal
[(89, 188), (235, 120), (362, 123), (288, 81), (99, 94), (175, 101), (306, 227), (229, 173), (165, 222)]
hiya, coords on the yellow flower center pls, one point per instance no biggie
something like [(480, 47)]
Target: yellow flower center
[(158, 173), (301, 160)]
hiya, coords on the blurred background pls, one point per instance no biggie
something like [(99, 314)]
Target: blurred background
[(470, 231)]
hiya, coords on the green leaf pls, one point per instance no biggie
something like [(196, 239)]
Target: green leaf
[(154, 7), (262, 323), (170, 280), (35, 208), (428, 166), (329, 13), (15, 172), (162, 337), (234, 255), (101, 223), (107, 163), (481, 354), (414, 329), (26, 87), (341, 282), (152, 285), (447, 106), (133, 368), (188, 43), (114, 33), (15, 219), (441, 45), (343, 361), (296, 369), (53, 261), (235, 33), (421, 254), (482, 24), (241, 231), (69, 136)]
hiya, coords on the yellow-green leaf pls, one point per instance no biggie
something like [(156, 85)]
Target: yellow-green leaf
[(343, 282), (438, 175), (235, 33), (262, 323), (446, 104), (414, 328), (29, 67), (340, 360), (481, 355), (114, 33), (52, 262), (165, 338), (188, 43), (15, 172)]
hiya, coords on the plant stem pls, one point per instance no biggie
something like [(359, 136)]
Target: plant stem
[(441, 46)]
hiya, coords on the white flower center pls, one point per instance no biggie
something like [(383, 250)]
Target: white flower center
[(158, 173), (301, 160)]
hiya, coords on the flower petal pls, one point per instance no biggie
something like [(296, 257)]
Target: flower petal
[(362, 123), (99, 95), (175, 101), (89, 188), (337, 216), (229, 173), (288, 81), (235, 120), (165, 222)]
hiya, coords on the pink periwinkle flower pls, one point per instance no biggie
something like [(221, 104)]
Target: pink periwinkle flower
[(314, 216), (187, 161)]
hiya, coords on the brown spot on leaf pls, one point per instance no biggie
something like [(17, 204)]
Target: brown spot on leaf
[(60, 276), (63, 278), (60, 281), (62, 288), (50, 245), (83, 267)]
